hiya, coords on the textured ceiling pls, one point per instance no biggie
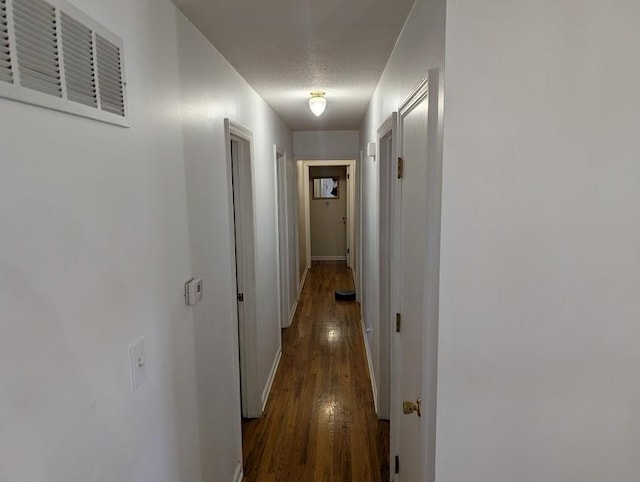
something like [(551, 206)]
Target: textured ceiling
[(287, 48)]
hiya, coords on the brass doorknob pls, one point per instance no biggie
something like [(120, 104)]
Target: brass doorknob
[(409, 407)]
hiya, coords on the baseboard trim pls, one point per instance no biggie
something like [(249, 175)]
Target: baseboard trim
[(238, 475), (272, 376), (374, 385), (292, 313), (304, 278), (328, 258), (355, 284)]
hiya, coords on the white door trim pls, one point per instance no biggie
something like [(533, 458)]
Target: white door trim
[(394, 304), (386, 230), (432, 276), (246, 313), (426, 88), (412, 100), (282, 232), (358, 258), (351, 204)]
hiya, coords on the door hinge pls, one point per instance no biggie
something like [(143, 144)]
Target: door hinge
[(348, 176), (348, 251), (398, 322), (240, 296), (400, 167), (397, 465)]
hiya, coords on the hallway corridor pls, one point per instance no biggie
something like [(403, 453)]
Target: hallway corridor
[(320, 423)]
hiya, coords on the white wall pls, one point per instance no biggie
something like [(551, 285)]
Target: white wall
[(420, 48), (327, 145), (100, 228), (539, 323), (323, 145), (206, 104)]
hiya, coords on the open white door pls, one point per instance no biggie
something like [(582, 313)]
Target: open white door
[(240, 185), (413, 436), (351, 214)]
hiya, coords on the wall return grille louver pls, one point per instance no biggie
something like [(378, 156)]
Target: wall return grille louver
[(53, 55), (6, 74), (79, 67), (110, 76), (36, 37)]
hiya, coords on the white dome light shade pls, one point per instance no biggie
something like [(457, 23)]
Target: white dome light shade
[(317, 103)]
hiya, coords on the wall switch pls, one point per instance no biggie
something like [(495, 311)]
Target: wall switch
[(193, 291), (138, 361), (371, 150)]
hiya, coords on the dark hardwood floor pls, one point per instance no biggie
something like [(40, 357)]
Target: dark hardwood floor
[(319, 423)]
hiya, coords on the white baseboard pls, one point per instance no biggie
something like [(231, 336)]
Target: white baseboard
[(304, 278), (355, 284), (272, 376), (238, 475), (372, 377), (292, 313), (328, 258)]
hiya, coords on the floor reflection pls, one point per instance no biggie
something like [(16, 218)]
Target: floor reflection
[(320, 423), (334, 334)]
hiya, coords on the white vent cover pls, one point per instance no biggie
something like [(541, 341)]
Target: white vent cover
[(54, 56), (36, 40), (110, 76), (79, 68)]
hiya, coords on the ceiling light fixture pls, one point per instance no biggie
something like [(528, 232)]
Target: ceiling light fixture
[(317, 102)]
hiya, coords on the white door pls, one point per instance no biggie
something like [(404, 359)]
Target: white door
[(237, 231), (412, 432), (239, 158)]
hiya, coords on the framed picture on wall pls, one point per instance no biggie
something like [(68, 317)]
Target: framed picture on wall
[(325, 188)]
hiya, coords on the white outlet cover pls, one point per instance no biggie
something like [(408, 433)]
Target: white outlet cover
[(138, 361)]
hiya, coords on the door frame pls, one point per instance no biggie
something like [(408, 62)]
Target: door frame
[(351, 204), (386, 230), (282, 232), (427, 88), (244, 317)]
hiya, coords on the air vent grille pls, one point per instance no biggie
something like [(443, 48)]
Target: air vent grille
[(6, 74), (37, 46), (79, 69), (52, 55), (110, 76)]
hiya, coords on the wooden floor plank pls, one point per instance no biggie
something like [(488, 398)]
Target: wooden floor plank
[(320, 423)]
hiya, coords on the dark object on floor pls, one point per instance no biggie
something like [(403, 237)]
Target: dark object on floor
[(345, 295)]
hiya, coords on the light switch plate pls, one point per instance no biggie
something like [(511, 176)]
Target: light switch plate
[(138, 361), (371, 150), (193, 291)]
